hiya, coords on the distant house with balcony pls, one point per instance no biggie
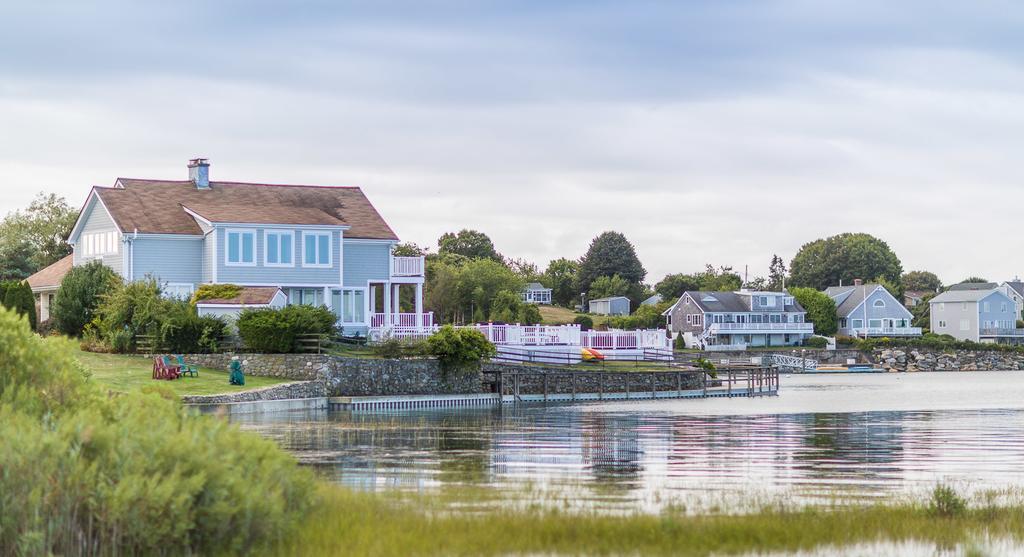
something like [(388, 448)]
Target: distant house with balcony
[(976, 315), (869, 310), (738, 320), (292, 244), (535, 293)]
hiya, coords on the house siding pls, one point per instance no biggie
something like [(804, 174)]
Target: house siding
[(97, 220), (893, 310), (952, 315), (364, 262), (679, 313), (172, 259), (996, 313), (260, 274)]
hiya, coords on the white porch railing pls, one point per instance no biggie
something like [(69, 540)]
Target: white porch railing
[(716, 328), (402, 320), (740, 346), (1000, 332), (625, 340), (407, 266), (887, 331)]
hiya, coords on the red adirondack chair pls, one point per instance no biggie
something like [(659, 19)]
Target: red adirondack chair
[(163, 369)]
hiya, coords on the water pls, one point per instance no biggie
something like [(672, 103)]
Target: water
[(824, 437)]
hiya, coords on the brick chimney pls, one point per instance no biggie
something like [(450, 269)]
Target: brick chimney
[(199, 173), (857, 282)]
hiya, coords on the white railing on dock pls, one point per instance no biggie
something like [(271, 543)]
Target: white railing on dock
[(625, 340), (402, 320), (887, 331), (715, 328)]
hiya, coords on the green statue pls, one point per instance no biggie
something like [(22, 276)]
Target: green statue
[(237, 377)]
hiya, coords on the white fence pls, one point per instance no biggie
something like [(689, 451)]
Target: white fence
[(402, 320), (749, 327), (530, 335), (407, 266), (725, 347)]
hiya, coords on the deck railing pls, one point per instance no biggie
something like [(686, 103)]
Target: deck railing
[(403, 320), (1002, 332), (887, 331), (407, 266), (743, 327), (738, 347)]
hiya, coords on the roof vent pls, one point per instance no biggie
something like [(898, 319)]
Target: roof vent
[(199, 173), (857, 282)]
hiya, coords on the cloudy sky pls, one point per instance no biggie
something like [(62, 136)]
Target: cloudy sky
[(708, 132)]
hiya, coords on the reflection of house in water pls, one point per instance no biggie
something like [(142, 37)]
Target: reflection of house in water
[(611, 447)]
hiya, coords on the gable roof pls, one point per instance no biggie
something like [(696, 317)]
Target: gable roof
[(1016, 285), (653, 300), (849, 298), (973, 286), (963, 296), (51, 276), (608, 299), (158, 206), (247, 296), (536, 286)]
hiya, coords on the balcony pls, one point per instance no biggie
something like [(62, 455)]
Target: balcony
[(760, 328), (1000, 332), (887, 331), (407, 266)]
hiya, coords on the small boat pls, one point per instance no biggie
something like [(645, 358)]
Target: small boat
[(591, 355)]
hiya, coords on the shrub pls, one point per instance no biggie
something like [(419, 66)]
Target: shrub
[(529, 314), (680, 343), (131, 474), (215, 291), (182, 330), (821, 309), (458, 348), (394, 348), (816, 342), (584, 321), (276, 330), (18, 297), (79, 294), (946, 502)]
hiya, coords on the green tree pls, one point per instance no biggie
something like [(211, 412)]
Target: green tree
[(973, 280), (79, 294), (468, 243), (894, 288), (722, 279), (923, 313), (605, 287), (441, 291), (610, 254), (821, 309), (408, 249), (672, 286), (36, 237), (922, 281), (529, 314), (776, 274), (480, 280), (524, 269), (561, 277), (842, 258), (18, 296), (505, 307)]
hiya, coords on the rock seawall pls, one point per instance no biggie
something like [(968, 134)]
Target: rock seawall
[(284, 391), (895, 359)]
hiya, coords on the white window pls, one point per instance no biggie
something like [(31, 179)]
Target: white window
[(98, 243), (316, 249), (350, 305), (942, 306), (241, 247), (177, 290), (963, 306), (942, 324), (857, 323), (965, 324), (278, 246), (875, 323), (985, 307), (765, 301), (306, 296), (689, 319), (1002, 307), (879, 303)]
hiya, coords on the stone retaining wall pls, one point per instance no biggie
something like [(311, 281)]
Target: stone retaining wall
[(597, 381), (894, 359), (343, 376), (284, 391), (820, 355)]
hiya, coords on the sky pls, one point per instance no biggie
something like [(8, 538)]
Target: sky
[(707, 132)]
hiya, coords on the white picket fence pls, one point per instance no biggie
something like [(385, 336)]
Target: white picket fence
[(545, 335)]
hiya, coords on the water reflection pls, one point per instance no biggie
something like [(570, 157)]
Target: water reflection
[(642, 456)]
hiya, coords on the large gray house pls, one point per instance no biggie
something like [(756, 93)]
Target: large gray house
[(737, 320), (976, 315), (869, 310)]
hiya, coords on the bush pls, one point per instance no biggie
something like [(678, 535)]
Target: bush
[(529, 314), (18, 297), (131, 474), (79, 294), (458, 348), (645, 317), (215, 291), (930, 341), (394, 348), (182, 330), (821, 309), (816, 342), (946, 502), (584, 321), (276, 330)]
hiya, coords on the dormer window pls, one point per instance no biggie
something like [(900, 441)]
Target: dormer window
[(708, 298), (767, 301)]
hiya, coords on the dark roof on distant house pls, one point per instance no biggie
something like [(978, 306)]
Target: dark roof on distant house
[(962, 296), (917, 294), (730, 302), (247, 296), (50, 277), (609, 298), (158, 206), (1016, 285), (973, 286), (536, 286)]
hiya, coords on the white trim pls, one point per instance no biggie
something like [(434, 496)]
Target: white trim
[(197, 216), (341, 258), (266, 251), (213, 257), (285, 284), (282, 225), (76, 229), (227, 250), (371, 241), (340, 312), (887, 293), (330, 248), (191, 287)]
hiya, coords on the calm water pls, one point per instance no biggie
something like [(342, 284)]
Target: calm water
[(853, 436)]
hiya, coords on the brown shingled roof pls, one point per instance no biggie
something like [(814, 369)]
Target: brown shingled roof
[(247, 296), (51, 277), (157, 206)]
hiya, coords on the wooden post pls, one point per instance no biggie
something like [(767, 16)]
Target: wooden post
[(729, 383)]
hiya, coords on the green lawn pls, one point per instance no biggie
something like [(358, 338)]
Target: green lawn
[(124, 373), (557, 315)]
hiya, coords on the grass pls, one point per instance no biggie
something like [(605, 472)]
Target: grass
[(557, 315), (356, 523), (127, 373)]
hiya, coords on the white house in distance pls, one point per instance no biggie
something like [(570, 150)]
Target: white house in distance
[(869, 310), (535, 293), (976, 315)]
